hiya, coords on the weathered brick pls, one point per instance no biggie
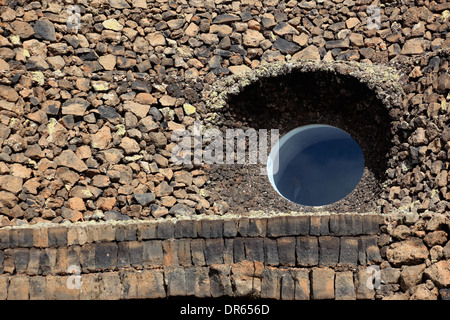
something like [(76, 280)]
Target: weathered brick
[(198, 252), (349, 251), (176, 281), (319, 225), (210, 228), (364, 283), (254, 249), (73, 255), (270, 283), (301, 278), (287, 286), (47, 260), (33, 261), (135, 253), (184, 252), (328, 251), (123, 255), (257, 227), (286, 251), (165, 230), (220, 280), (110, 286), (287, 226), (129, 284), (345, 225), (8, 261), (19, 287), (4, 238), (243, 227), (37, 288), (370, 224), (2, 258), (307, 250), (214, 251), (228, 251), (56, 288), (271, 252), (57, 236), (105, 255), (4, 283), (146, 231), (344, 286), (106, 232), (239, 249), (230, 228), (368, 251), (40, 237), (185, 229), (197, 282), (87, 257), (170, 248), (90, 286), (61, 263), (153, 254), (21, 257), (21, 237), (243, 275), (126, 232), (322, 283)]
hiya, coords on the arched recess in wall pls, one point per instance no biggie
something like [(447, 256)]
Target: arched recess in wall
[(354, 97)]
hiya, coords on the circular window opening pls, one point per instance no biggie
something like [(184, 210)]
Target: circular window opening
[(315, 165)]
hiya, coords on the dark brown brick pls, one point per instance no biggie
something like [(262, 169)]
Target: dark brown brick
[(286, 251), (254, 249), (257, 227), (126, 232), (345, 224), (349, 251), (4, 238), (319, 225), (271, 252), (214, 251), (370, 224), (165, 230), (176, 281), (152, 253), (22, 237), (287, 286), (135, 253), (307, 250), (368, 250), (239, 249), (328, 251), (198, 252), (230, 228), (185, 229), (287, 226), (271, 283), (243, 227), (105, 255), (21, 258)]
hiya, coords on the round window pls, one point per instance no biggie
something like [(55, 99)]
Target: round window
[(315, 165)]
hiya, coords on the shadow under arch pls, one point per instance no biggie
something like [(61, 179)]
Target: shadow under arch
[(351, 96)]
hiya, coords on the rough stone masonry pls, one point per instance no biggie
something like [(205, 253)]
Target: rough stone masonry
[(86, 121)]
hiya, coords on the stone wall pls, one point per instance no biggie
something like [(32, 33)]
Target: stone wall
[(329, 256), (86, 124)]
